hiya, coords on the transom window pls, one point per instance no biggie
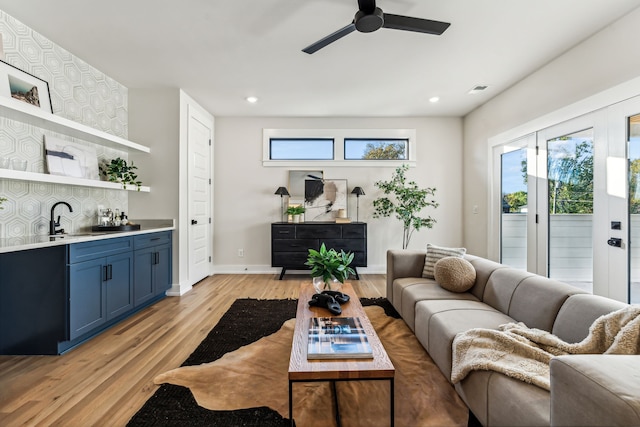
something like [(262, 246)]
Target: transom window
[(338, 147), (301, 149), (375, 149)]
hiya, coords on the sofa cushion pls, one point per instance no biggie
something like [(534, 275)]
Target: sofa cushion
[(590, 389), (438, 321), (512, 402), (537, 301), (409, 292), (489, 395), (455, 274), (398, 287), (484, 269), (434, 254), (577, 314), (501, 286)]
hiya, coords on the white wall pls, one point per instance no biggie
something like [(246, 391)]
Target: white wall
[(245, 203), (601, 62), (155, 115)]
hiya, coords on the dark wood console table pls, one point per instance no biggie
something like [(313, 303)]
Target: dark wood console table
[(290, 242)]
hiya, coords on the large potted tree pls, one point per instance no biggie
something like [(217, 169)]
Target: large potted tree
[(405, 199)]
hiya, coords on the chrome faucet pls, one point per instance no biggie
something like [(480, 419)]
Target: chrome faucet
[(53, 224)]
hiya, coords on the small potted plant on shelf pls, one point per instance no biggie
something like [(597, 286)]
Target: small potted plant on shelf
[(295, 212), (2, 200), (119, 171), (329, 266)]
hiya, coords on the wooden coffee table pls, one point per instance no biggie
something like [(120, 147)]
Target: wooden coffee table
[(303, 370)]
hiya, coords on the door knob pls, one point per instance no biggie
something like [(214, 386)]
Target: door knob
[(615, 242), (194, 222)]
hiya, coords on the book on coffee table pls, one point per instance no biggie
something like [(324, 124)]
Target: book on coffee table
[(338, 338)]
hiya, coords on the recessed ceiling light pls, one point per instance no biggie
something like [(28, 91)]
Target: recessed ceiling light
[(252, 99), (477, 89), (434, 99)]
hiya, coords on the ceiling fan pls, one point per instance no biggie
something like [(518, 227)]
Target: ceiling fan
[(370, 18)]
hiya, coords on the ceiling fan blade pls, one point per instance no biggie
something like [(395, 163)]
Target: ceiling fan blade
[(329, 39), (408, 23)]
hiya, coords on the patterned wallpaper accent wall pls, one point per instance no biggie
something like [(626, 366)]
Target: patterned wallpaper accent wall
[(79, 92)]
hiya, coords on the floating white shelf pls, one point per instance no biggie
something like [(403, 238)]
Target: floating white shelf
[(23, 112), (56, 179)]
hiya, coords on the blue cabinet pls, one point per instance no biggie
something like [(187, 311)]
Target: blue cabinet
[(86, 297), (54, 298), (100, 287), (152, 261), (33, 301)]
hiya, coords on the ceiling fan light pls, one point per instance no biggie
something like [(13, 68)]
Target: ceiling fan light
[(369, 22)]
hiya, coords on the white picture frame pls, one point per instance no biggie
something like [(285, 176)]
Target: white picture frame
[(22, 88), (67, 158)]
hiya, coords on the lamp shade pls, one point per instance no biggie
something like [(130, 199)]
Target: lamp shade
[(358, 191), (282, 191)]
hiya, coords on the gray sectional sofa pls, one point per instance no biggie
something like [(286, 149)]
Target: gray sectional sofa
[(586, 390)]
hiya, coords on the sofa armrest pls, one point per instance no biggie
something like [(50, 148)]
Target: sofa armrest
[(595, 390), (403, 263)]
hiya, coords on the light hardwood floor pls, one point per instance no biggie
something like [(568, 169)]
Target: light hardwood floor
[(106, 380)]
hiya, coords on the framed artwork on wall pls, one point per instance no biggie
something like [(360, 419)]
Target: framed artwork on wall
[(297, 182), (323, 199), (22, 87)]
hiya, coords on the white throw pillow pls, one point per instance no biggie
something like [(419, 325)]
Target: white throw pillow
[(434, 254)]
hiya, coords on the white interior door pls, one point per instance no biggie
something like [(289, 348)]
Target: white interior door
[(200, 135)]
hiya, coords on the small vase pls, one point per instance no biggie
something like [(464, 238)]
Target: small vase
[(319, 285), (296, 219)]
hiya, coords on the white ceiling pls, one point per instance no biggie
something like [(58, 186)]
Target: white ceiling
[(221, 51)]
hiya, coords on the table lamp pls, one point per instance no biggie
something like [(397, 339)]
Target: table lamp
[(358, 191), (282, 191)]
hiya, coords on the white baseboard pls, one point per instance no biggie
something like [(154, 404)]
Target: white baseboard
[(177, 290), (267, 269)]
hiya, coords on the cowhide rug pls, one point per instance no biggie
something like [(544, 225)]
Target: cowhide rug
[(257, 375)]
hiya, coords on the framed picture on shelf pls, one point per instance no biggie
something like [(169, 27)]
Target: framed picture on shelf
[(20, 86), (324, 198), (68, 158)]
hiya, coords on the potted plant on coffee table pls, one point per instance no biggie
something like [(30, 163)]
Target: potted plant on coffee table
[(328, 267)]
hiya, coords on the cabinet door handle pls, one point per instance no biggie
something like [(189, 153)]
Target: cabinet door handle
[(105, 273), (110, 272), (156, 258)]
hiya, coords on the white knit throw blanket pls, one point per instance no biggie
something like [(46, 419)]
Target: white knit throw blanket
[(523, 353)]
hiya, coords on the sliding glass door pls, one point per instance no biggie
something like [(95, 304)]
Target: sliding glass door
[(570, 199), (562, 206), (566, 202)]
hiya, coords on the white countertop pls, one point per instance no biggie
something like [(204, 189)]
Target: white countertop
[(14, 244)]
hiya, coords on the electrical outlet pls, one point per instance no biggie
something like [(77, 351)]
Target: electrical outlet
[(475, 209), (240, 252)]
